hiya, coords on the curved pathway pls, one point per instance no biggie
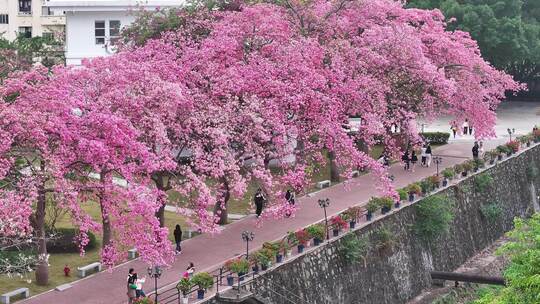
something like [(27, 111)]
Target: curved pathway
[(208, 252)]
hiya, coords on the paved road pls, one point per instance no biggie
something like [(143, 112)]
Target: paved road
[(207, 251)]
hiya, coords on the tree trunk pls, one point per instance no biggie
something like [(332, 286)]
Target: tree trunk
[(42, 269), (334, 170), (163, 185), (105, 219), (222, 208)]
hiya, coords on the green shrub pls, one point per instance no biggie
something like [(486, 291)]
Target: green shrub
[(532, 172), (478, 163), (426, 186), (64, 241), (264, 256), (468, 165), (184, 285), (402, 194), (203, 280), (353, 249), (448, 173), (458, 168), (504, 149), (483, 181), (414, 188), (316, 231), (436, 138), (383, 239), (386, 201), (433, 217), (373, 205), (492, 211), (238, 265)]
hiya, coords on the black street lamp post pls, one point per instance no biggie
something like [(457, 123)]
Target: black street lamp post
[(155, 272), (247, 236), (510, 132), (323, 203)]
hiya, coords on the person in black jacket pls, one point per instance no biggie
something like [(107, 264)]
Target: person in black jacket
[(475, 150), (259, 201), (290, 198), (405, 158), (178, 238)]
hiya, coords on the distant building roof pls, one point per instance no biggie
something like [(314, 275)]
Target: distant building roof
[(110, 5)]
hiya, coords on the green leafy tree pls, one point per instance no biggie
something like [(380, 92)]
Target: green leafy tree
[(523, 274), (23, 52), (507, 31)]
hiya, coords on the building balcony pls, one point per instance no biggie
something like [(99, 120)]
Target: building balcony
[(53, 20)]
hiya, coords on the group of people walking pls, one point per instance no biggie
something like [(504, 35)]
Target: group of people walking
[(260, 200), (134, 286), (410, 160), (467, 128)]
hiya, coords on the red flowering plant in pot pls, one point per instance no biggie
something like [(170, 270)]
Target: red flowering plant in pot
[(303, 237), (337, 223), (513, 145)]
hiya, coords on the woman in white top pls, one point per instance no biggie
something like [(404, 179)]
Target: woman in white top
[(466, 127)]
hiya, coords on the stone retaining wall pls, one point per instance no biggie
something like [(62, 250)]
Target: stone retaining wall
[(397, 275)]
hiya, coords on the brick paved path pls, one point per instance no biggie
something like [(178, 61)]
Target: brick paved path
[(208, 252)]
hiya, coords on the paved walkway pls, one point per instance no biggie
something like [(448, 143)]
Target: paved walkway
[(208, 252)]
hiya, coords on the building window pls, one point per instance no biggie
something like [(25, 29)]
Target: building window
[(99, 32), (49, 36), (25, 7), (114, 29), (25, 31), (4, 19)]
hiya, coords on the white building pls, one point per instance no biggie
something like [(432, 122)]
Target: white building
[(29, 17), (92, 25)]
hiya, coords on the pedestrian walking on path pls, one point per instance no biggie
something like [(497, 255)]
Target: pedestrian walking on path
[(178, 238), (291, 199), (414, 160), (454, 128), (259, 202), (466, 127), (406, 160), (470, 128), (138, 283), (189, 271), (131, 287), (423, 155), (429, 155), (475, 150)]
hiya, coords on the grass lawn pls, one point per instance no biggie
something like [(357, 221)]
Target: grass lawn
[(73, 260)]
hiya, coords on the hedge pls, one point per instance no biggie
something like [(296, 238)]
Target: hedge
[(436, 138), (64, 241)]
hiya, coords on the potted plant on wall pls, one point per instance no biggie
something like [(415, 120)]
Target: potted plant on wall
[(290, 242), (254, 262), (448, 174), (372, 207), (435, 181), (204, 281), (279, 249), (184, 287), (402, 196), (414, 190), (491, 156), (337, 224), (351, 215), (239, 266), (265, 256), (386, 204), (513, 146), (303, 238), (316, 231), (478, 164), (467, 166), (228, 267)]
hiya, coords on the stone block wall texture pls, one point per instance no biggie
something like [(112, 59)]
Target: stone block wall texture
[(395, 276)]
